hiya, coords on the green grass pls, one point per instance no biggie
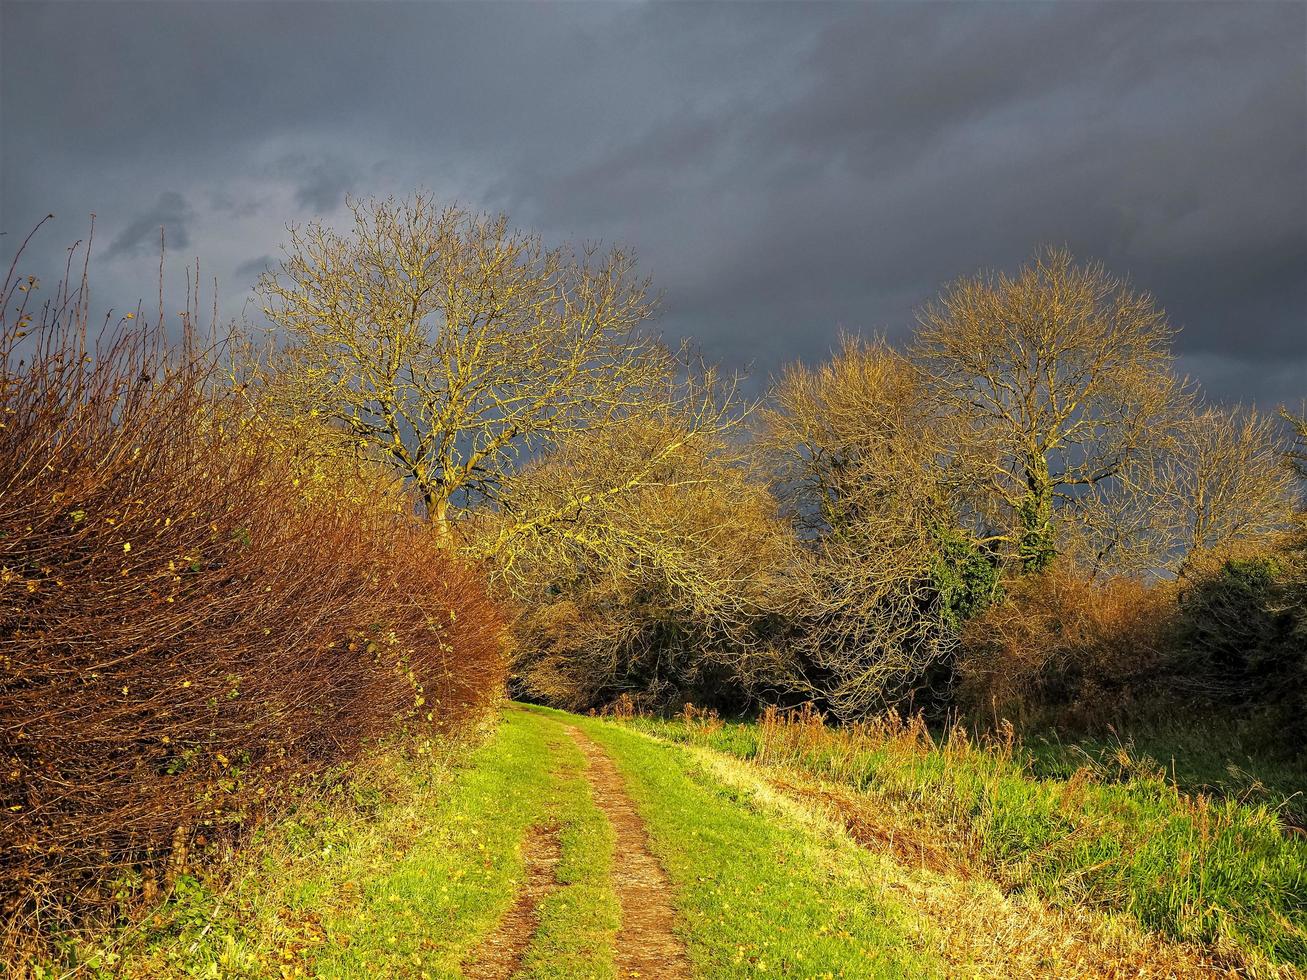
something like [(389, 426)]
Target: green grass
[(427, 909), (579, 921), (1208, 870), (1238, 760), (400, 875), (405, 869), (407, 879), (757, 894)]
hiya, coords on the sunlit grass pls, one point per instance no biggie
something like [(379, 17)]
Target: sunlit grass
[(756, 896), (400, 872), (405, 869), (1207, 870), (1243, 760)]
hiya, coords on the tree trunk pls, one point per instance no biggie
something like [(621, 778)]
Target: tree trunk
[(437, 507), (1037, 548)]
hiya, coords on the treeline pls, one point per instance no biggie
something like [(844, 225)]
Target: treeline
[(1024, 514), (197, 612), (1022, 510)]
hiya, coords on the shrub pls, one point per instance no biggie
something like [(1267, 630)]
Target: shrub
[(1242, 633), (1072, 651), (183, 632)]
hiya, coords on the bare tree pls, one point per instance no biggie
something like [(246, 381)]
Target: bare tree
[(1296, 455), (839, 435), (450, 346), (1064, 375), (859, 455), (1216, 478), (1221, 481), (660, 589)]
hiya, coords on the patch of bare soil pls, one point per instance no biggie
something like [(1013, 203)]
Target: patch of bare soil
[(500, 955), (647, 944)]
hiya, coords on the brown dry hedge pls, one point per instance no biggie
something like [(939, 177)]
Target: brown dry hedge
[(183, 633), (1060, 649)]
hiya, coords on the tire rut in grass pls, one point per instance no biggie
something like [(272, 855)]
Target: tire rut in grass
[(647, 944), (500, 955)]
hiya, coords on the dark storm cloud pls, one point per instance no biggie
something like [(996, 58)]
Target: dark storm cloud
[(167, 218), (783, 170), (320, 184), (249, 272)]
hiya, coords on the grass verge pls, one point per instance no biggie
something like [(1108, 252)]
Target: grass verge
[(1211, 871), (405, 869), (401, 872), (1230, 759)]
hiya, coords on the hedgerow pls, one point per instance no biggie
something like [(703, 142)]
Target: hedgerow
[(184, 631)]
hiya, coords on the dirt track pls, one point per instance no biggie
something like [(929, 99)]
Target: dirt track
[(647, 944), (500, 956)]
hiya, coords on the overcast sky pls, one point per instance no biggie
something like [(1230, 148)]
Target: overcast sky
[(782, 170)]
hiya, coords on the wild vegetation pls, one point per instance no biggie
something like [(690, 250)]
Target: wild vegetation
[(450, 346), (655, 535), (235, 575), (790, 848), (1024, 512)]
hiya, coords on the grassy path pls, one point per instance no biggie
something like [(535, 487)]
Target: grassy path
[(647, 943), (757, 895), (501, 954), (574, 847)]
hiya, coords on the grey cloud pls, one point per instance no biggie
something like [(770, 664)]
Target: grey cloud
[(170, 213), (249, 272), (913, 146), (227, 203), (782, 169), (320, 183)]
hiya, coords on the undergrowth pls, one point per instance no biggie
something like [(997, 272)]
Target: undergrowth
[(186, 633)]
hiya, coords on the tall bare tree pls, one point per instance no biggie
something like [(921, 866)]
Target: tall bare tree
[(1295, 456), (450, 346), (1064, 376), (859, 455), (854, 428), (1215, 478), (659, 590)]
